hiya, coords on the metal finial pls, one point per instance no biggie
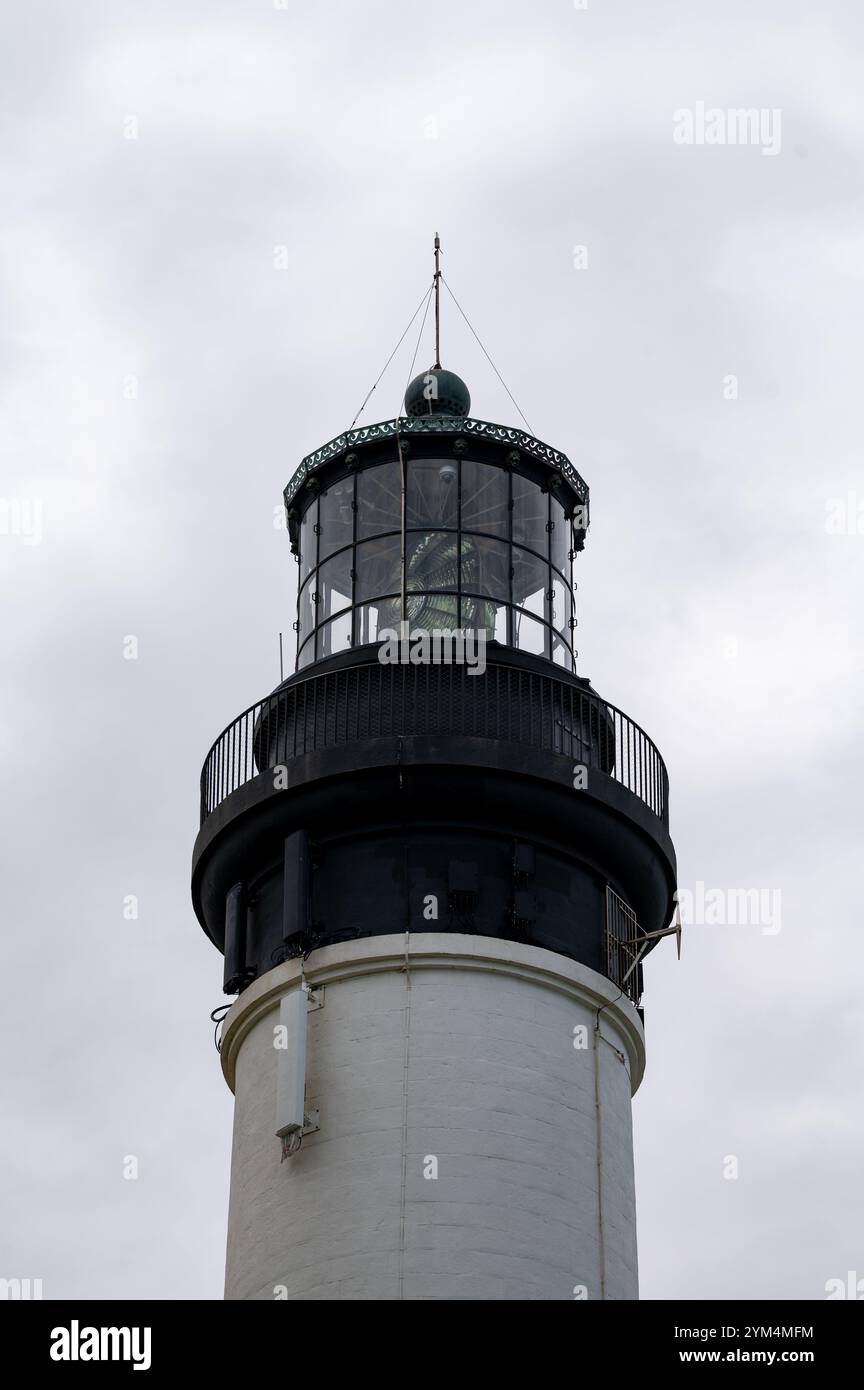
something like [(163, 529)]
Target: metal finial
[(437, 301)]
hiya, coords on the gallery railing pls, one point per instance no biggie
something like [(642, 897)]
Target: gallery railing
[(506, 703)]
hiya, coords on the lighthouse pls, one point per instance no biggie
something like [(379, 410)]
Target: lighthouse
[(433, 859)]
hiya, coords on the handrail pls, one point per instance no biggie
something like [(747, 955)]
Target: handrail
[(508, 703)]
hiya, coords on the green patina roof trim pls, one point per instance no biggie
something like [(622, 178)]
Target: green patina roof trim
[(439, 424)]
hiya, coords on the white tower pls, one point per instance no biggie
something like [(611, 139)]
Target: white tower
[(472, 1099)]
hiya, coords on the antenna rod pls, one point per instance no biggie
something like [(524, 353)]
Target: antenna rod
[(281, 669), (437, 301)]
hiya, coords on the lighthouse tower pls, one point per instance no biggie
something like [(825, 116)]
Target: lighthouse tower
[(433, 865)]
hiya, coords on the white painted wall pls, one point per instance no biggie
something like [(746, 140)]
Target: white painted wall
[(466, 1056)]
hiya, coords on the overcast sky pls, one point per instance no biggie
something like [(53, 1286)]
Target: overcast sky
[(217, 220)]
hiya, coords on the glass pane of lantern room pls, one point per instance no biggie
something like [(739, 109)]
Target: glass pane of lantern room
[(485, 566), (433, 561), (373, 618), (378, 500), (306, 609), (336, 517), (485, 498), (530, 581), (432, 580), (484, 615), (530, 509), (378, 567), (308, 540), (433, 610), (530, 636), (560, 538), (335, 636), (562, 606), (334, 585), (432, 493)]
